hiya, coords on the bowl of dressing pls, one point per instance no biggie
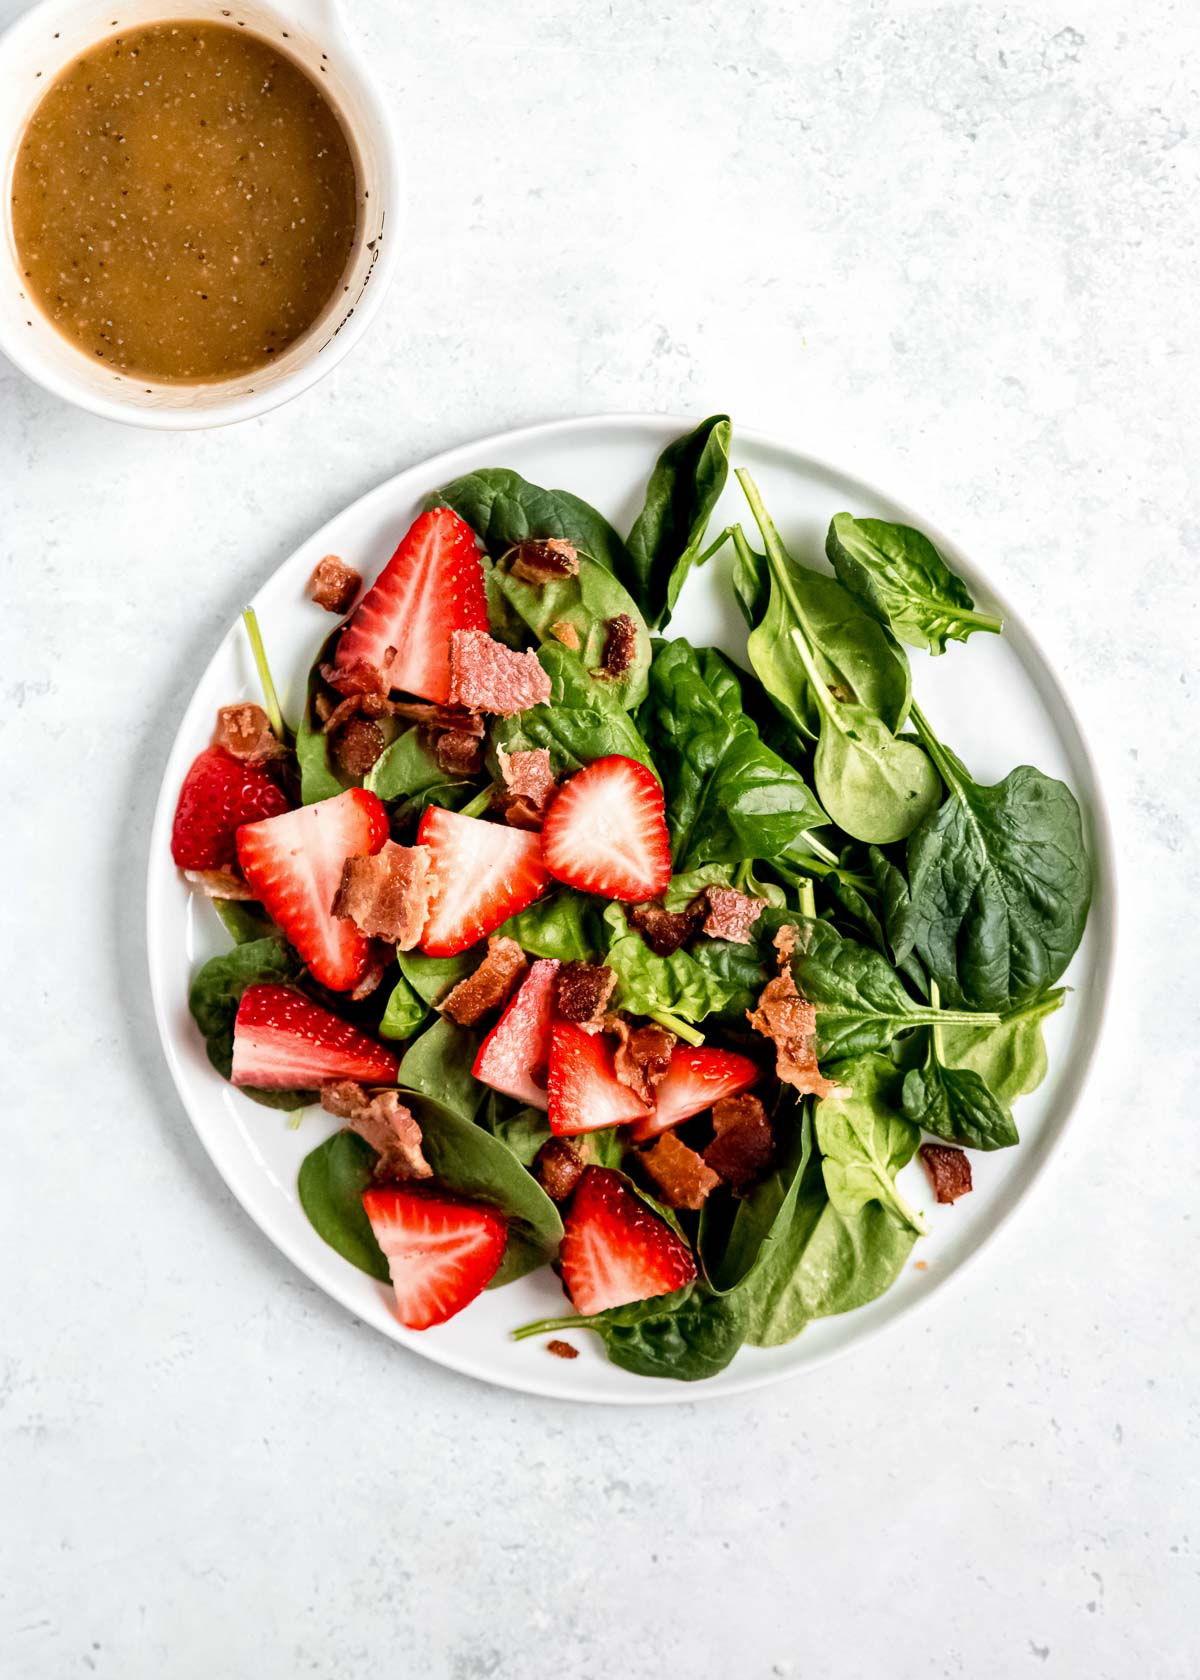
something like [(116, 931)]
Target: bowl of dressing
[(201, 203)]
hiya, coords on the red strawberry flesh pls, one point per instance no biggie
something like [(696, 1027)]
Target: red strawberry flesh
[(283, 1041), (442, 1252), (584, 1092), (219, 795), (615, 1250), (483, 873), (606, 832), (695, 1080), (514, 1056)]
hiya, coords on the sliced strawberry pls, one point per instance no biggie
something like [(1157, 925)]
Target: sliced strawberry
[(433, 584), (606, 832), (219, 795), (695, 1080), (585, 1093), (294, 866), (514, 1056), (282, 1041), (483, 873), (614, 1250), (441, 1251)]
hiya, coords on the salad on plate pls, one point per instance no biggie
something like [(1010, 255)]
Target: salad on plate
[(609, 954)]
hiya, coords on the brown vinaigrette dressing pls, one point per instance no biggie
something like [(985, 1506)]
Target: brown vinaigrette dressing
[(184, 202)]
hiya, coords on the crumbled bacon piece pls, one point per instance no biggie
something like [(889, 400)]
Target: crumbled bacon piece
[(790, 1021), (683, 1178), (359, 678), (219, 883), (385, 1124), (458, 752), (545, 560), (620, 646), (948, 1170), (245, 733), (558, 1166), (565, 632), (334, 585), (387, 895), (492, 983), (663, 930), (527, 775), (583, 990), (643, 1056), (430, 716), (489, 677), (561, 1349), (356, 745), (742, 1144), (729, 914)]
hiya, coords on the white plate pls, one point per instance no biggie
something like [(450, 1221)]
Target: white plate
[(1000, 705)]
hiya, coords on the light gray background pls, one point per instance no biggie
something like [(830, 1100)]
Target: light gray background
[(954, 246)]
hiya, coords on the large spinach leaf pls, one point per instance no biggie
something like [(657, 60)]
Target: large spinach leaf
[(505, 509), (954, 1103), (865, 1140), (213, 1000), (1000, 882), (689, 1335), (523, 1130), (580, 722), (673, 990), (404, 1013), (439, 1064), (668, 534), (728, 797), (564, 924), (836, 673), (1010, 1058), (899, 577), (332, 1179), (406, 767), (736, 1236), (318, 778), (587, 603), (433, 977)]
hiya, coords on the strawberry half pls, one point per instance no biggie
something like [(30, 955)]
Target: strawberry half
[(219, 795), (695, 1080), (294, 866), (433, 584), (584, 1091), (614, 1250), (284, 1042), (514, 1056), (606, 832), (483, 873), (441, 1251)]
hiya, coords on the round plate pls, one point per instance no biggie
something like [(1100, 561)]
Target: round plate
[(1000, 704)]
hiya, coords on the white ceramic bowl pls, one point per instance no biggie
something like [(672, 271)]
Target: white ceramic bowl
[(40, 45)]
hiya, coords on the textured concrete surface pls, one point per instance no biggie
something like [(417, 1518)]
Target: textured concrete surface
[(953, 244)]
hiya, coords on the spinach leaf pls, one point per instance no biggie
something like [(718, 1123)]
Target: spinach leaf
[(432, 977), (836, 673), (860, 1000), (505, 509), (580, 722), (728, 797), (1000, 883), (587, 603), (245, 921), (673, 990), (682, 889), (899, 577), (439, 1064), (213, 1001), (522, 1130), (563, 924), (865, 1140), (736, 1236), (606, 1148), (405, 1011), (332, 1179), (406, 767), (689, 1335), (954, 1103), (751, 579), (318, 778), (667, 535), (1010, 1058)]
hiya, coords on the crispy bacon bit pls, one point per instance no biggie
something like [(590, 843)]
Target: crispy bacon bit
[(527, 775), (356, 745), (561, 1349), (334, 585), (948, 1170), (492, 983), (359, 678), (643, 1056), (387, 895), (791, 1023), (583, 990), (384, 1122), (458, 752), (489, 677), (785, 943), (682, 1177), (545, 560), (557, 1166), (742, 1144), (245, 733), (565, 632), (430, 716), (620, 646), (219, 883), (730, 914), (663, 930)]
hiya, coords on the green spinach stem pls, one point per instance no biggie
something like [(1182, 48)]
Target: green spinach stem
[(672, 1023), (250, 620)]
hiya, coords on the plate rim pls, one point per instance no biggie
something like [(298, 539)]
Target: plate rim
[(1105, 908)]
